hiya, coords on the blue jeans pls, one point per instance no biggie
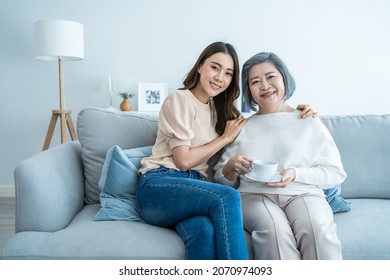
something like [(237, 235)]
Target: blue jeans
[(206, 215), (198, 234)]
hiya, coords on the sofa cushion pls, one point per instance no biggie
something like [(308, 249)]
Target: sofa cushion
[(84, 238), (363, 142), (118, 184), (364, 232), (99, 130)]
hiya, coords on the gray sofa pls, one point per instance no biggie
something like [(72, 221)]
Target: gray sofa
[(57, 193)]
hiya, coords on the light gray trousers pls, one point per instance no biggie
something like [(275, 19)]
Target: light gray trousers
[(291, 227)]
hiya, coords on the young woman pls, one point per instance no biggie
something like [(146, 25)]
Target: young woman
[(288, 218), (195, 122)]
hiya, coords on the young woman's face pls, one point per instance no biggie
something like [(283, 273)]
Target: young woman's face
[(266, 85), (216, 74)]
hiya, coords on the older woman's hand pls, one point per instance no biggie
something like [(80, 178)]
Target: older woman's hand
[(236, 166), (287, 176)]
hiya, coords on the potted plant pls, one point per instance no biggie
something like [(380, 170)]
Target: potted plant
[(126, 104)]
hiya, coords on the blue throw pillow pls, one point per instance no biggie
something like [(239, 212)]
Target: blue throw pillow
[(336, 202), (118, 184)]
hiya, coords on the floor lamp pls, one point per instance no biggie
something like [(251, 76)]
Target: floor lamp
[(59, 40)]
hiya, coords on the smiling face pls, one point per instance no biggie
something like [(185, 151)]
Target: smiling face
[(216, 74), (267, 87)]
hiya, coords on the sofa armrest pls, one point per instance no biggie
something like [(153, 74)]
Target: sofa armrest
[(49, 188)]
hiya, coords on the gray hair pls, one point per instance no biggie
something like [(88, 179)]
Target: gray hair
[(289, 82)]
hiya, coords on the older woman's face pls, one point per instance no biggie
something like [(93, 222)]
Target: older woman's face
[(266, 85)]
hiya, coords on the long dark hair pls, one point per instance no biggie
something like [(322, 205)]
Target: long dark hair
[(223, 102)]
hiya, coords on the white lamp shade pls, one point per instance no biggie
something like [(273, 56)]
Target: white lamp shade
[(59, 38)]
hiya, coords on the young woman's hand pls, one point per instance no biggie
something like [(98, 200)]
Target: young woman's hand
[(288, 175), (233, 128), (307, 111)]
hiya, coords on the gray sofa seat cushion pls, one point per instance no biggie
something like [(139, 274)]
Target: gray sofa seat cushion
[(86, 239), (98, 130), (364, 232)]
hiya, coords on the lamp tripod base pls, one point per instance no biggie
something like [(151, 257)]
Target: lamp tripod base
[(66, 120)]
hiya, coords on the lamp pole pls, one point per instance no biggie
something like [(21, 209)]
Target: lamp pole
[(62, 111)]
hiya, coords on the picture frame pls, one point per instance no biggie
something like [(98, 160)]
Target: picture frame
[(151, 96)]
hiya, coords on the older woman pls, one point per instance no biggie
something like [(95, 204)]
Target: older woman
[(288, 218)]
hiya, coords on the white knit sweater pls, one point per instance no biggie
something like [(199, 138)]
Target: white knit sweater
[(302, 144)]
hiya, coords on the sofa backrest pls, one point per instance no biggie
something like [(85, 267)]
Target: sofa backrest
[(364, 145), (99, 129), (363, 142)]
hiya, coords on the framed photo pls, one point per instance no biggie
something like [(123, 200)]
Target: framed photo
[(151, 96)]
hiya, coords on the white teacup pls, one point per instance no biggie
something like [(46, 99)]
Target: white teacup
[(265, 169)]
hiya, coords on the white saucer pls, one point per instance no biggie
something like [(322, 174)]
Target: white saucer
[(252, 176)]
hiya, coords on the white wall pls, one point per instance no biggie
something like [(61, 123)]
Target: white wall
[(338, 51)]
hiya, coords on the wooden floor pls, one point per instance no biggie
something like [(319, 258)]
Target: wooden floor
[(7, 218)]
